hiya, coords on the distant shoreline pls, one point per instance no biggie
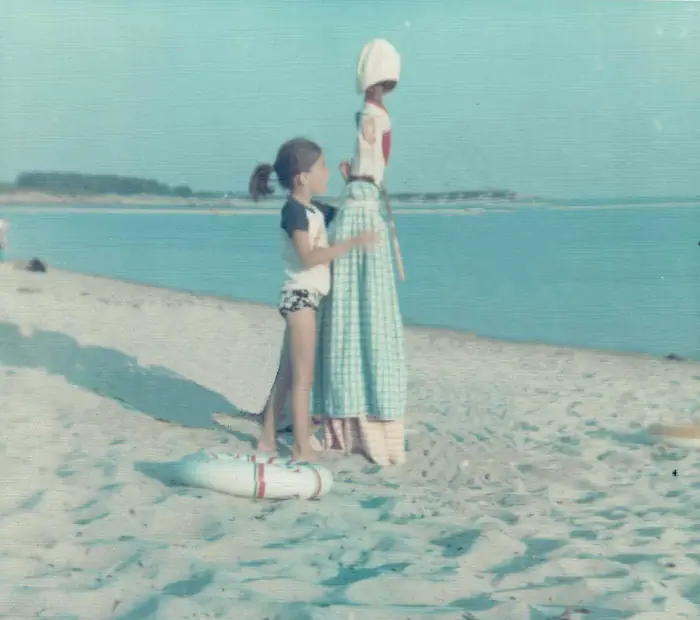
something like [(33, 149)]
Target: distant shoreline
[(469, 203), (34, 198), (24, 197)]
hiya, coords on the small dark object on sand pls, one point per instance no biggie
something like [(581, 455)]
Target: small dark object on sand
[(36, 265), (673, 357)]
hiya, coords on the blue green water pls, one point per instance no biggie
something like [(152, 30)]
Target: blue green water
[(621, 279)]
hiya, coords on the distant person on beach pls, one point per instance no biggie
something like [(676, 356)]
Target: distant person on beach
[(300, 168), (361, 377), (4, 229)]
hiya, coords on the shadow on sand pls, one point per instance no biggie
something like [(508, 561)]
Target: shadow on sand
[(153, 390)]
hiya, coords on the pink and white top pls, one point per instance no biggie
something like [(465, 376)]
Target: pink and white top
[(373, 143)]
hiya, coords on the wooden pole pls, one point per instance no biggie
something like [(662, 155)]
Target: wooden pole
[(394, 236)]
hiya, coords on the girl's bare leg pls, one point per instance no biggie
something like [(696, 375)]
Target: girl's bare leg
[(301, 330), (276, 400)]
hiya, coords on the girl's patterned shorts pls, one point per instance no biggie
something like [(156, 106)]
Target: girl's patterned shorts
[(296, 299)]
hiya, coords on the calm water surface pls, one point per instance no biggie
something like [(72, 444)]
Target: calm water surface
[(619, 279)]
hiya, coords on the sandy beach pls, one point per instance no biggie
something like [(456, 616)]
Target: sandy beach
[(531, 489)]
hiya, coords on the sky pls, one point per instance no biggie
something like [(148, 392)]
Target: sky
[(555, 98)]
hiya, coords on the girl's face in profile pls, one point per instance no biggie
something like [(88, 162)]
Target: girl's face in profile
[(317, 177)]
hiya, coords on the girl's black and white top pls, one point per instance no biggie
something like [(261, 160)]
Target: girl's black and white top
[(313, 219)]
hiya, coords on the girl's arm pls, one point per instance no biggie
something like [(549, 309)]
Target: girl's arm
[(296, 224), (311, 257)]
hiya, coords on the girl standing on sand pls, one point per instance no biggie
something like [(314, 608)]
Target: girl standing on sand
[(361, 377), (301, 169)]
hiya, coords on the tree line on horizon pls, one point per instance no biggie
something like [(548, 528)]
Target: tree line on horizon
[(76, 183), (80, 183)]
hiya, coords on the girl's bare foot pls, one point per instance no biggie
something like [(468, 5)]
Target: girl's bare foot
[(306, 454), (266, 444)]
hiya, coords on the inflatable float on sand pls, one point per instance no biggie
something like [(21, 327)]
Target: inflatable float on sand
[(251, 475), (680, 436)]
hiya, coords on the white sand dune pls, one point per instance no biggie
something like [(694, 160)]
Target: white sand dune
[(531, 488)]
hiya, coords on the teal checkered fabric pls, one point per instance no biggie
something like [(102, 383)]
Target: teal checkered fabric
[(361, 360)]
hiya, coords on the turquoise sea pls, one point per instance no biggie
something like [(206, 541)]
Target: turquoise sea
[(614, 277)]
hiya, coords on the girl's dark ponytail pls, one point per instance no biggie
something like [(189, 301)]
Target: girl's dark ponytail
[(259, 185)]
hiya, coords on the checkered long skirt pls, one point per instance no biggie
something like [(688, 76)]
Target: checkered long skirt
[(361, 363)]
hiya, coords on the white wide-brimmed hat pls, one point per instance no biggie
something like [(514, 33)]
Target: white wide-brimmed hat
[(379, 62)]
